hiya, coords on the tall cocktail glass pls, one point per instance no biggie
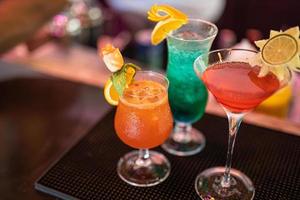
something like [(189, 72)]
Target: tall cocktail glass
[(238, 88), (187, 94), (143, 120)]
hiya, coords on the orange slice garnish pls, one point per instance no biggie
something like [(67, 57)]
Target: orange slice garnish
[(168, 19), (121, 77), (110, 93), (163, 12)]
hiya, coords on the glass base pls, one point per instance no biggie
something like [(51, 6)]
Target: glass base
[(208, 185), (143, 173), (184, 142)]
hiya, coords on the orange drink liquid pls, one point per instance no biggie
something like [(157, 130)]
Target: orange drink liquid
[(143, 119)]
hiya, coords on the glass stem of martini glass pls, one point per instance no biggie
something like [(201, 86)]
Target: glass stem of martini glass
[(234, 121)]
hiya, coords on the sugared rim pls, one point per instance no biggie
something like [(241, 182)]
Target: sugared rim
[(199, 40), (220, 50), (231, 49)]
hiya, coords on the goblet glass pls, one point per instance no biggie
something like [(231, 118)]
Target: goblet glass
[(143, 120)]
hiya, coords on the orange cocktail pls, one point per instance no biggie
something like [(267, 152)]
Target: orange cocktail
[(143, 119)]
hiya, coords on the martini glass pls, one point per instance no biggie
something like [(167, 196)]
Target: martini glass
[(236, 86), (187, 94)]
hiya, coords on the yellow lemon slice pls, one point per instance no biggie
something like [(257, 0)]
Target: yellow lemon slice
[(279, 49), (110, 93), (168, 19)]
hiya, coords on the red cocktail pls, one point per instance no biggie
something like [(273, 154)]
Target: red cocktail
[(239, 87)]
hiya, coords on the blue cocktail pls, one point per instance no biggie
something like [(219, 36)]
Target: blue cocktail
[(187, 94)]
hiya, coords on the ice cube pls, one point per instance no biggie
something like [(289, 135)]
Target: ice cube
[(153, 99)]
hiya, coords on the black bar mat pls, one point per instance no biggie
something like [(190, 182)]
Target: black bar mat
[(88, 171)]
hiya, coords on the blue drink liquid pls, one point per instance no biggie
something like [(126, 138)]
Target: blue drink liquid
[(187, 93)]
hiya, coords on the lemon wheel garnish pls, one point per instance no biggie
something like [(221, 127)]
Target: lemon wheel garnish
[(110, 93), (168, 19), (279, 49), (279, 54)]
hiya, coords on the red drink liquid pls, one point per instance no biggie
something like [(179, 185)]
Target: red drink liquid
[(237, 87)]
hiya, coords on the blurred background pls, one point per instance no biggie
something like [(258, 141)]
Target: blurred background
[(60, 37)]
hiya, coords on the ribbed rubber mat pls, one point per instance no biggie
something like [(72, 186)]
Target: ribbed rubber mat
[(88, 170)]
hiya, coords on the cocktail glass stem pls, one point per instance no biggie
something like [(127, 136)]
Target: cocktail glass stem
[(144, 157), (184, 140), (234, 121), (144, 154), (182, 132)]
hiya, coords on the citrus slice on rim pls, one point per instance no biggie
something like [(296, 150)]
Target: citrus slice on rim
[(115, 86), (110, 93), (279, 49), (130, 72), (162, 29), (162, 12), (168, 19)]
